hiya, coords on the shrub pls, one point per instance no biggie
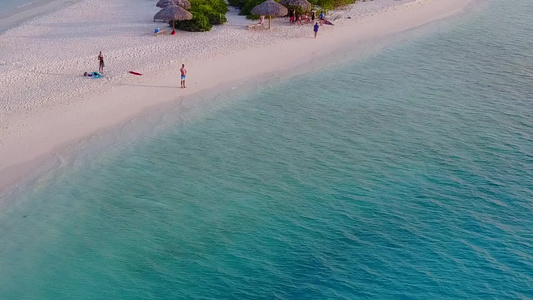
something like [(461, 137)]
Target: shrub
[(206, 13), (219, 6), (199, 23), (216, 18), (246, 9), (237, 3), (246, 5)]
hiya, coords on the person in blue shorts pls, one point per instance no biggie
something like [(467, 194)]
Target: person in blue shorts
[(183, 75), (315, 29)]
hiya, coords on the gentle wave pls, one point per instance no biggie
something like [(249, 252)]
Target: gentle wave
[(25, 4)]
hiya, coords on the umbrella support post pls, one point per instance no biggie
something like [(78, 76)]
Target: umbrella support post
[(173, 27), (271, 9)]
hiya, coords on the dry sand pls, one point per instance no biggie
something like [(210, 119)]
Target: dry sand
[(46, 103)]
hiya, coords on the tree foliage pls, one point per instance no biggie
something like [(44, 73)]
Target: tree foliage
[(246, 5), (206, 13)]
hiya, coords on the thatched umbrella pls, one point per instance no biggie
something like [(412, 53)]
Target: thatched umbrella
[(182, 3), (303, 4), (164, 3), (173, 13), (270, 8)]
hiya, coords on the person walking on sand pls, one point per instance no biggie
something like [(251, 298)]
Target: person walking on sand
[(101, 64), (315, 29), (183, 75)]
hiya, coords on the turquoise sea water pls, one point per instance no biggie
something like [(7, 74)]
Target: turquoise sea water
[(7, 5), (405, 175)]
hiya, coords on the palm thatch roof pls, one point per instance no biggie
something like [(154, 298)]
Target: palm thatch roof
[(173, 12), (270, 8), (303, 4), (163, 3), (182, 3)]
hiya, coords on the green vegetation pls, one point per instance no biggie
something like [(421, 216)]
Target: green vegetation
[(330, 4), (246, 5), (206, 13)]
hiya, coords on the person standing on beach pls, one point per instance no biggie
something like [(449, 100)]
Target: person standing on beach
[(315, 29), (291, 15), (183, 75), (101, 64)]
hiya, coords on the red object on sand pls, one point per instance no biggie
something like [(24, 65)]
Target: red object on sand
[(173, 32), (135, 73)]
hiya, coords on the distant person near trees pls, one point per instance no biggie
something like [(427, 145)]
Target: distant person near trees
[(291, 15)]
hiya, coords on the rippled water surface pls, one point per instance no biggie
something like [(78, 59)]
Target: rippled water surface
[(407, 175)]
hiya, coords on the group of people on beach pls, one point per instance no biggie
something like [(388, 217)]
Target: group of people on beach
[(101, 66), (295, 18)]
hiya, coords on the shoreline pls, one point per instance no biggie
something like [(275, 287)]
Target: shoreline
[(18, 15), (37, 136)]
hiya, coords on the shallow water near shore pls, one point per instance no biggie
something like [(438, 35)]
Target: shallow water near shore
[(6, 6), (408, 174), (14, 12)]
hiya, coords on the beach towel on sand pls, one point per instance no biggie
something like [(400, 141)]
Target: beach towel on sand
[(94, 75)]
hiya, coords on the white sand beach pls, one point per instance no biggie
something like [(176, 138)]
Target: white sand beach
[(46, 103)]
